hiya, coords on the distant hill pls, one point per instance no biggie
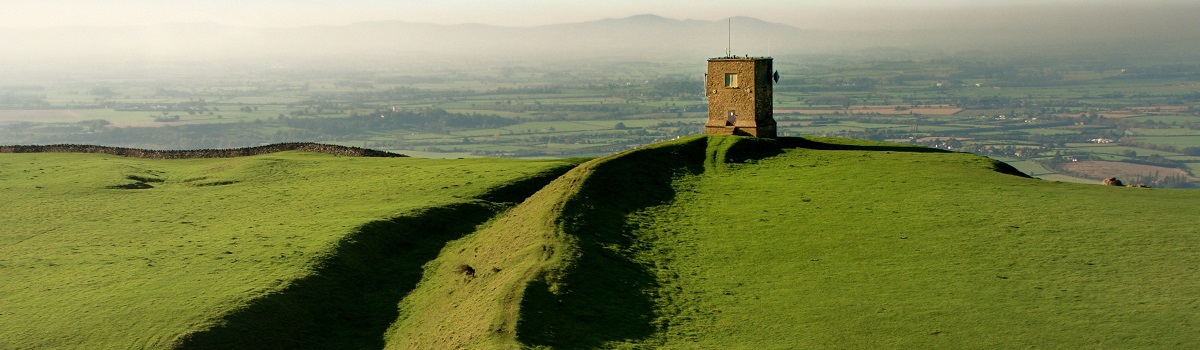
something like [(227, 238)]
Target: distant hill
[(702, 242), (643, 37)]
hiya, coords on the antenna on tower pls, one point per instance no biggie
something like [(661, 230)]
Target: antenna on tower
[(729, 37)]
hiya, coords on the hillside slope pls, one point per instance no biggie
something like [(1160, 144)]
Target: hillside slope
[(531, 255), (723, 242), (702, 242), (283, 250)]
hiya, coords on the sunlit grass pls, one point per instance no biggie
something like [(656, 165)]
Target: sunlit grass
[(703, 242), (869, 249), (86, 265)]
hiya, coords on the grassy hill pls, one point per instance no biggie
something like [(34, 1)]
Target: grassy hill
[(303, 249), (703, 242), (720, 242)]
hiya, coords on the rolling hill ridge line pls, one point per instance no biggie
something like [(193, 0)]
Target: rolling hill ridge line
[(707, 241), (560, 268), (545, 273), (336, 150)]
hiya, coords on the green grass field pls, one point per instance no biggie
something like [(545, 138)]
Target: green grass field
[(817, 249), (724, 243), (83, 265), (702, 242), (1177, 141)]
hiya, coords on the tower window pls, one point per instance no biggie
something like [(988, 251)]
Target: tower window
[(731, 80)]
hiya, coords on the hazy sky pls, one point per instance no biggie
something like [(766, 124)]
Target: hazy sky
[(830, 14)]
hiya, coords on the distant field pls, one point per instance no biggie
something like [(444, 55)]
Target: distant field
[(1118, 115), (884, 110), (44, 115), (1177, 141), (1032, 168), (1160, 109), (1163, 132), (1121, 170), (1053, 132), (1114, 149), (582, 102), (1170, 118), (116, 118)]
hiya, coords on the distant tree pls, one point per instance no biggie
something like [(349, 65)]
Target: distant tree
[(95, 125), (102, 91), (619, 126)]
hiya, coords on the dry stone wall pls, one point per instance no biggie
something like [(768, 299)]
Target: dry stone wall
[(202, 153)]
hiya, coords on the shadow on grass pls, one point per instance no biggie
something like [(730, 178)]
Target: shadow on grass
[(606, 295), (352, 298)]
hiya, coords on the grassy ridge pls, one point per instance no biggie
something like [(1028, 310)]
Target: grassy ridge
[(723, 242), (87, 262), (866, 245), (598, 293), (702, 242), (526, 263)]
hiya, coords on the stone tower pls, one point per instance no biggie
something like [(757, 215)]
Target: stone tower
[(739, 96)]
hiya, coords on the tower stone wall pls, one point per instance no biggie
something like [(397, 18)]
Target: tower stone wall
[(739, 91)]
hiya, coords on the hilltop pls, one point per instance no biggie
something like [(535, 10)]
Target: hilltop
[(702, 242), (719, 242)]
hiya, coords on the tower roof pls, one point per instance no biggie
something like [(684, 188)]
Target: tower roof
[(741, 58)]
